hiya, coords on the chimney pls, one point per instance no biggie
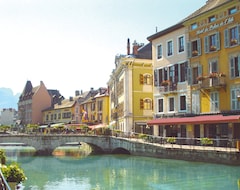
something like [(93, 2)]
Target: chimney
[(135, 47), (128, 46), (77, 93)]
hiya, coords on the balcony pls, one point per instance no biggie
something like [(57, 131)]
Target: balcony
[(213, 83), (170, 87)]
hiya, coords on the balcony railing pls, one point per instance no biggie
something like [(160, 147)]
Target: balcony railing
[(218, 82), (170, 88)]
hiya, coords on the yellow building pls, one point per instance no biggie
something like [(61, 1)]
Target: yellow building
[(95, 108), (130, 90), (62, 112), (213, 39)]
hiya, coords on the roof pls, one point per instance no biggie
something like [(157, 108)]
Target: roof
[(205, 119), (210, 4), (165, 31)]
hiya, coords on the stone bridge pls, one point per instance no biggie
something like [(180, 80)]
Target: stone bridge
[(45, 144)]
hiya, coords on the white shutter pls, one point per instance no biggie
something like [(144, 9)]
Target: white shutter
[(206, 44)]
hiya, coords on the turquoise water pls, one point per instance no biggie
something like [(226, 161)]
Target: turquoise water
[(125, 172)]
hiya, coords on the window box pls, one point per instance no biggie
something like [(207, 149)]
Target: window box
[(201, 78), (213, 48), (195, 53), (234, 41), (165, 83)]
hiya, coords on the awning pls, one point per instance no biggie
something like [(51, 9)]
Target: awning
[(205, 119), (98, 126)]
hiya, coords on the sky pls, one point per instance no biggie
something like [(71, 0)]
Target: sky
[(71, 44)]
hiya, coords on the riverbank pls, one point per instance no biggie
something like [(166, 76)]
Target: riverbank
[(209, 154)]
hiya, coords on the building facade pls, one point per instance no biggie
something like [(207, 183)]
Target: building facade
[(31, 103), (130, 90), (213, 38), (172, 95), (8, 116)]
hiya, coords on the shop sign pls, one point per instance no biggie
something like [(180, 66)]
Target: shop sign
[(216, 25)]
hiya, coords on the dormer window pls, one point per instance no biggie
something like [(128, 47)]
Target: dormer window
[(232, 10), (211, 19), (194, 26)]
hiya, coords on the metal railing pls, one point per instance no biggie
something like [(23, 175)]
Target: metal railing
[(3, 183)]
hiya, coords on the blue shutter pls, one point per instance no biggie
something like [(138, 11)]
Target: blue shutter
[(206, 44), (156, 78), (199, 46), (232, 67), (226, 38), (199, 70), (189, 75), (189, 49), (218, 40), (239, 34)]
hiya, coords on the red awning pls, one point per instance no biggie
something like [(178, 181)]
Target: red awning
[(205, 119)]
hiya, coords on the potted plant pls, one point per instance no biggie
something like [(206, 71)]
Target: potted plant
[(206, 141), (13, 174), (2, 157), (165, 82)]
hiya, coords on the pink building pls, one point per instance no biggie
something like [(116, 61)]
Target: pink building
[(31, 103)]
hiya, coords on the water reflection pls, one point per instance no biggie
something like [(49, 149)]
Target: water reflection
[(76, 150), (124, 172)]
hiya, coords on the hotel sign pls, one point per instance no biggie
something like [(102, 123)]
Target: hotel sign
[(216, 25)]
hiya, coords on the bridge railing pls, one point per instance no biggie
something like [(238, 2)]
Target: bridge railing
[(207, 142)]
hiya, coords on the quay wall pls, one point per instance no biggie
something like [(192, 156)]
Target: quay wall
[(45, 145)]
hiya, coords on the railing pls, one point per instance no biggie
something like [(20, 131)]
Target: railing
[(3, 183), (218, 82), (203, 142)]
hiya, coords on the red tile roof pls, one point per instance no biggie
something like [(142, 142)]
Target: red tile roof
[(206, 119)]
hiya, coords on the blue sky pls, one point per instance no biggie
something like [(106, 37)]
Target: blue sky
[(71, 44)]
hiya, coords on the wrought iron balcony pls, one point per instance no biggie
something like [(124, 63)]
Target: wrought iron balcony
[(210, 83), (169, 88)]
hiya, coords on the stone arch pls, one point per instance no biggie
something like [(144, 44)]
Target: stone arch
[(120, 150)]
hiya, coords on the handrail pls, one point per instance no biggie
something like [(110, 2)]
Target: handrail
[(5, 184)]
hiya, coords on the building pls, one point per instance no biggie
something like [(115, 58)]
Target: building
[(8, 116), (213, 38), (31, 103), (172, 95), (95, 107), (130, 90)]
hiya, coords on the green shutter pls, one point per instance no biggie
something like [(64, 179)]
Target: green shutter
[(189, 50), (218, 40), (206, 44), (199, 46), (226, 38)]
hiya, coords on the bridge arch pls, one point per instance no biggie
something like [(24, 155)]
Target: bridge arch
[(120, 150)]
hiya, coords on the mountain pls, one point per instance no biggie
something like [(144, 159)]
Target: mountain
[(8, 99)]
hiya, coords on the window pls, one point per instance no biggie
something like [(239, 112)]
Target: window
[(59, 116), (181, 43), (235, 104), (147, 79), (194, 48), (235, 66), (214, 99), (182, 71), (232, 10), (171, 104), (196, 102), (183, 103), (148, 104), (211, 19), (194, 26), (159, 51), (196, 72), (231, 36), (170, 48), (160, 105), (212, 42)]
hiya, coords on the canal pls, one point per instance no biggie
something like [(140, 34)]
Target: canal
[(76, 171)]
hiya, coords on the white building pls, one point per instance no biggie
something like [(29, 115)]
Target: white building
[(8, 116)]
